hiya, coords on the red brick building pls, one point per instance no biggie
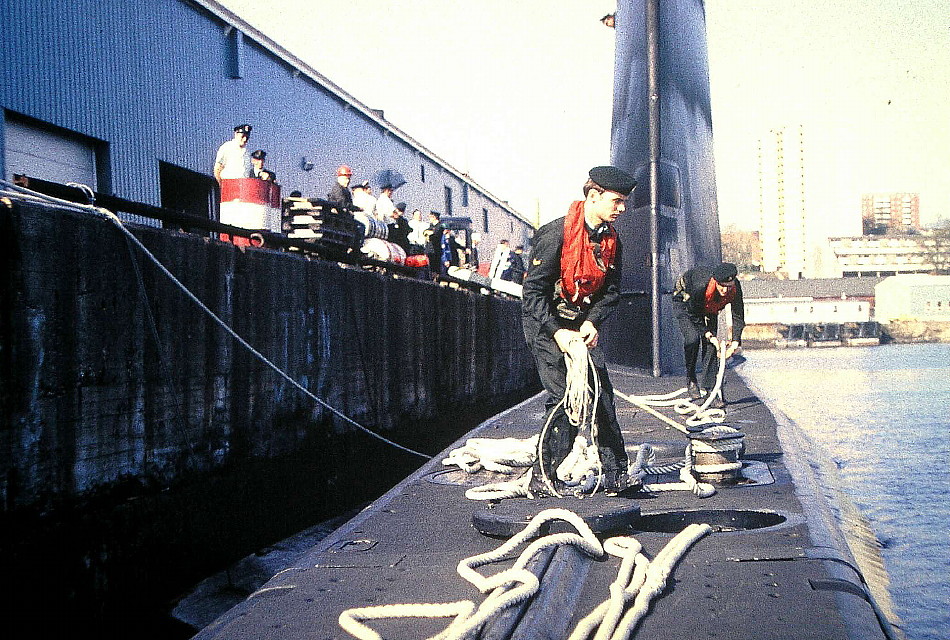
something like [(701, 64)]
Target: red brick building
[(890, 213)]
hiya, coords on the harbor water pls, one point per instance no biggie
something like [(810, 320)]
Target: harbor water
[(882, 414)]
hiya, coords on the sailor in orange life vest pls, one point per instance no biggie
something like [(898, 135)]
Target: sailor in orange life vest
[(572, 285), (698, 297)]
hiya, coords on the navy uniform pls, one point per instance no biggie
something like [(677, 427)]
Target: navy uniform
[(399, 228), (261, 172), (546, 308), (696, 306)]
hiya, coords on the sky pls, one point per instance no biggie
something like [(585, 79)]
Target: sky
[(518, 94)]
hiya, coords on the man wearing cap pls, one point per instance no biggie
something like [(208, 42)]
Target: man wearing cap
[(399, 227), (233, 159), (340, 195), (698, 297), (257, 166), (363, 198), (572, 286)]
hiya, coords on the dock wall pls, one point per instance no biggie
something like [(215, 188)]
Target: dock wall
[(139, 432)]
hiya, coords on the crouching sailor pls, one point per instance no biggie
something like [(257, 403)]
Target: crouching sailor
[(571, 287), (698, 297)]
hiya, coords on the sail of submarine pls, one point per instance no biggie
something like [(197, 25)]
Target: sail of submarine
[(662, 134)]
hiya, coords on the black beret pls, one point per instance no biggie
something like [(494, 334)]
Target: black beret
[(259, 154), (243, 128), (401, 206), (613, 179), (724, 272)]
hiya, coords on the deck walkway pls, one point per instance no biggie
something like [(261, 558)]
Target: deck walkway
[(792, 580)]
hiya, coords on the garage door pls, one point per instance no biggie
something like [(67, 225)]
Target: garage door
[(49, 156)]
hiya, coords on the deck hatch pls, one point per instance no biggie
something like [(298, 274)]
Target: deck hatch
[(721, 520)]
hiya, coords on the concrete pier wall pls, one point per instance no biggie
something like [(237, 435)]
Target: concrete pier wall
[(142, 448), (110, 371)]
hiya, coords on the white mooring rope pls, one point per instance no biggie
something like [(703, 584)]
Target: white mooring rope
[(13, 190), (515, 585), (505, 589), (581, 471)]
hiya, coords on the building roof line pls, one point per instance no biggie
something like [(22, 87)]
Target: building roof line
[(234, 20)]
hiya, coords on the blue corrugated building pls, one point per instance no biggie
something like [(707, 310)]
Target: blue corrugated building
[(133, 98)]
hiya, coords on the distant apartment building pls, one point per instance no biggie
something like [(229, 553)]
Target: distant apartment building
[(782, 203), (886, 255), (883, 213)]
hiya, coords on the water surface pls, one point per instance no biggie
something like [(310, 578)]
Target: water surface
[(883, 415)]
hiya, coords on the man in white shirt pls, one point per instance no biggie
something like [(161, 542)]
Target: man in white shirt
[(233, 159), (385, 205), (363, 198), (500, 261)]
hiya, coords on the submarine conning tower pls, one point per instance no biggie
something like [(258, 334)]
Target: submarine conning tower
[(662, 134)]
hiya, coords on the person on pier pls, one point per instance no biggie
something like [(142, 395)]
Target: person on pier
[(340, 195), (259, 171), (571, 287), (233, 159)]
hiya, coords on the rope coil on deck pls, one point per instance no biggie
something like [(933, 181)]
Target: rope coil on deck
[(505, 588), (580, 472), (639, 580), (499, 455)]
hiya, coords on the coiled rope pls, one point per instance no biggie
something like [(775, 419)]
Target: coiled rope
[(584, 472), (13, 190), (643, 465), (580, 471), (638, 581), (499, 455), (718, 439), (505, 588)]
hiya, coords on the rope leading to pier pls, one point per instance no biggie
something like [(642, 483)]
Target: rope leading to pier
[(14, 190), (639, 580)]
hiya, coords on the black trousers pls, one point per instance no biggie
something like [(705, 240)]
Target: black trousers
[(559, 436), (694, 344)]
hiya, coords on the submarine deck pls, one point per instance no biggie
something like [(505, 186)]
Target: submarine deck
[(795, 578)]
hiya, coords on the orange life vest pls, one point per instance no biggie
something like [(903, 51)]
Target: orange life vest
[(582, 274)]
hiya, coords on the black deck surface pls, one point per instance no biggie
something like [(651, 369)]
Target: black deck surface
[(786, 581)]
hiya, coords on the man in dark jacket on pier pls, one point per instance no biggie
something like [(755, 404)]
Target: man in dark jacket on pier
[(698, 297), (399, 227), (572, 285), (340, 195)]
